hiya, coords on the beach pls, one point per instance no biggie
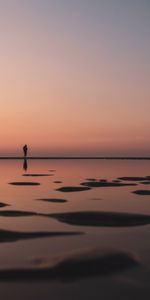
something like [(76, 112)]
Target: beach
[(75, 229)]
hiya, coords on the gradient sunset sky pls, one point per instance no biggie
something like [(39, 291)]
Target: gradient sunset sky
[(75, 77)]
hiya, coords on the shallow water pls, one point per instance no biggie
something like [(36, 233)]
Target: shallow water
[(130, 283)]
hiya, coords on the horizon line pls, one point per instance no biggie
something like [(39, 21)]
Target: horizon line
[(79, 157)]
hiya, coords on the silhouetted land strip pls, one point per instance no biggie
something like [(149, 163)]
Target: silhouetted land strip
[(74, 157), (69, 268), (105, 219), (142, 192), (13, 236)]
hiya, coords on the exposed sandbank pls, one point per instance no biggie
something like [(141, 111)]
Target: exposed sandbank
[(13, 236), (142, 192), (25, 183), (53, 200), (105, 219), (36, 175), (67, 189), (75, 266), (106, 184)]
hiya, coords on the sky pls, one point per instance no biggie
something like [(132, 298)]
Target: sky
[(75, 77)]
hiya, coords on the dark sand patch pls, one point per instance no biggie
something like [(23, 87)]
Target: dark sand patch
[(13, 236), (104, 219), (90, 179), (36, 175), (3, 204), (116, 181), (142, 192), (103, 180), (87, 218), (17, 213), (53, 200), (25, 183), (57, 181), (52, 170), (133, 178), (69, 189), (75, 266), (106, 184)]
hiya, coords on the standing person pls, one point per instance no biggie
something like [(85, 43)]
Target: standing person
[(25, 150)]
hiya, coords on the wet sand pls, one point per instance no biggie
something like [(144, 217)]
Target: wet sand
[(56, 241), (7, 236), (73, 267)]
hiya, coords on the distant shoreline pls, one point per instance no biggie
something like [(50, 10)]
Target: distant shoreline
[(77, 158)]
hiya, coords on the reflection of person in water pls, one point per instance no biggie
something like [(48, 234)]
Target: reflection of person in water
[(25, 150), (25, 164)]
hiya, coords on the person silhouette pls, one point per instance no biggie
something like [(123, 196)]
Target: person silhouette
[(25, 150)]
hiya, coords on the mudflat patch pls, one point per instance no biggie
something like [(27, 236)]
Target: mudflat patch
[(105, 219), (103, 180), (142, 192), (3, 204), (20, 183), (36, 175), (90, 179), (116, 181), (106, 184), (70, 189), (134, 178), (57, 181), (17, 213), (53, 200), (13, 236)]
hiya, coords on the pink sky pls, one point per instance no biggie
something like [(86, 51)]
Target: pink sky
[(74, 81)]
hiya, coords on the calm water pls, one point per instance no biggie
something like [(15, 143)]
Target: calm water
[(131, 283)]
